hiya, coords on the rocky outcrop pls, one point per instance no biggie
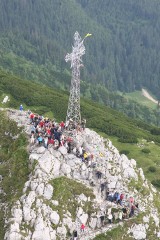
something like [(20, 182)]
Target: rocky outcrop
[(38, 216)]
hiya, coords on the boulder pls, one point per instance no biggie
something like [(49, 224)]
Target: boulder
[(66, 169), (17, 214), (93, 223), (62, 150), (41, 150), (48, 192), (138, 231), (81, 198), (54, 217), (83, 218), (62, 231), (40, 189), (12, 236)]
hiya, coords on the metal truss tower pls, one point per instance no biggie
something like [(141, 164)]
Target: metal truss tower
[(78, 50)]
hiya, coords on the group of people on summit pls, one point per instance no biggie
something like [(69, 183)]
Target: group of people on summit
[(46, 132)]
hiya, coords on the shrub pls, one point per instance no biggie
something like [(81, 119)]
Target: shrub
[(156, 183), (128, 139), (145, 150), (152, 169), (126, 152)]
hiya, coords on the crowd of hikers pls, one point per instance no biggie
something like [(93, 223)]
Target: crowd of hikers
[(45, 132)]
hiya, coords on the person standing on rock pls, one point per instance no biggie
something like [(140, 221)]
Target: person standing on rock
[(75, 235), (110, 217), (21, 108), (82, 227)]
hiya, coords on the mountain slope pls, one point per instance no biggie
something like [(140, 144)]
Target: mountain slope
[(44, 99), (62, 192), (122, 54)]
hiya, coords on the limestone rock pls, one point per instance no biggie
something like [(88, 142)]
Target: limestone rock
[(138, 231), (54, 217), (40, 189), (62, 231), (93, 223), (66, 169), (62, 150), (48, 192), (83, 218), (41, 150)]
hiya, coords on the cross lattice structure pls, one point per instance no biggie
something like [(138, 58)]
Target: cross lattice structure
[(78, 50)]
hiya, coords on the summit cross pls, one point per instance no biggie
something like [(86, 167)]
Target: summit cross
[(78, 50)]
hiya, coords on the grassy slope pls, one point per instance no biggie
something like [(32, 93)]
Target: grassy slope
[(50, 102), (138, 97), (144, 160), (43, 100), (13, 165)]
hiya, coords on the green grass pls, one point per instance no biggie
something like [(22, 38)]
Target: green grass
[(49, 101), (144, 160), (138, 97), (66, 191), (120, 233), (14, 165)]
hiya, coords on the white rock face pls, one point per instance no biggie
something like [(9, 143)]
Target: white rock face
[(83, 218), (41, 150), (38, 208), (66, 169), (62, 150), (93, 223), (146, 219), (138, 231), (62, 231)]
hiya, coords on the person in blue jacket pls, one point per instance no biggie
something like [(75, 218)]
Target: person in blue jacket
[(21, 107)]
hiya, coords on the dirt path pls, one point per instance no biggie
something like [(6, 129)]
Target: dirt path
[(147, 95)]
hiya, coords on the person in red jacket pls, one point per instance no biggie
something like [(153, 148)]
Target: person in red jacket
[(31, 117), (50, 141), (62, 125), (82, 227)]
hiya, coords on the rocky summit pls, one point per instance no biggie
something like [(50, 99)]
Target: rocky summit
[(67, 197)]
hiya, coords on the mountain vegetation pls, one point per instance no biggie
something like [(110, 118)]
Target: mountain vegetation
[(36, 35), (14, 168), (45, 100), (133, 138), (123, 53), (126, 133)]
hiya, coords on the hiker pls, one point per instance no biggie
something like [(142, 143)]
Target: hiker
[(99, 174), (45, 141), (75, 235), (82, 227), (110, 217), (32, 140), (31, 116), (21, 108), (132, 211), (40, 139), (50, 141), (83, 124), (102, 219), (102, 186), (62, 125)]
